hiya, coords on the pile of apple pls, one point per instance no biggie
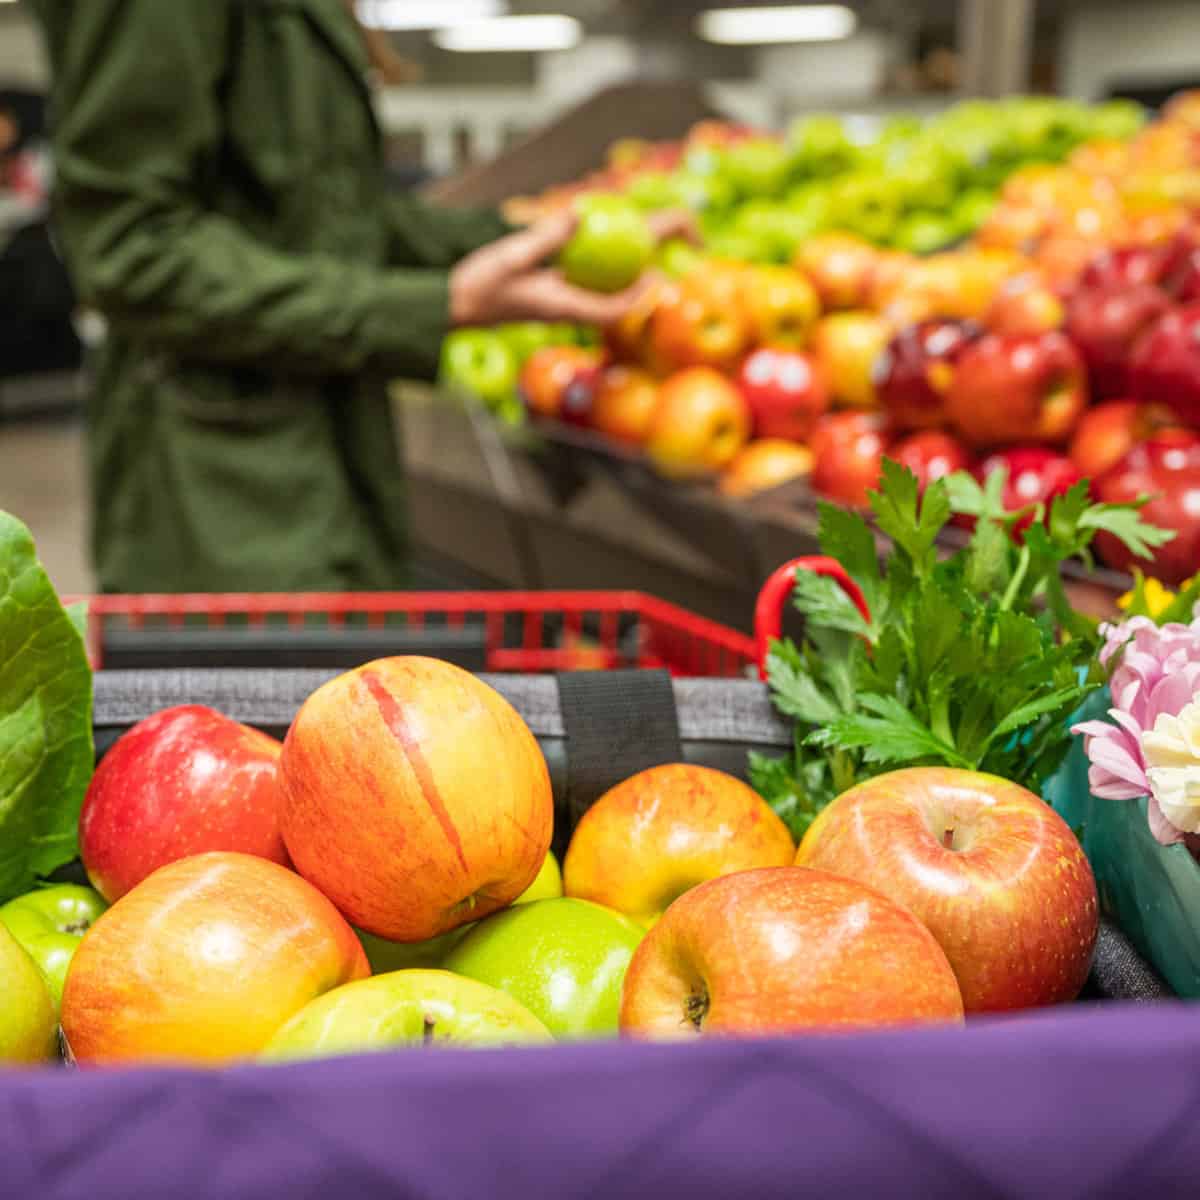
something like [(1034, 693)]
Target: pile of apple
[(1061, 343), (383, 879)]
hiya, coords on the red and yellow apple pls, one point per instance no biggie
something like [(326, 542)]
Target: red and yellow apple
[(1106, 433), (703, 322), (848, 450), (415, 797), (782, 305), (181, 782), (663, 831), (203, 962), (785, 950), (847, 347), (763, 465), (994, 873), (700, 424), (840, 266), (624, 404), (550, 374)]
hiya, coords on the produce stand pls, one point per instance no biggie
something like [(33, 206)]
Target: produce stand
[(1092, 1100)]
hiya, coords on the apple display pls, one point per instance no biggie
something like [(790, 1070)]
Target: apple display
[(564, 960), (27, 1019), (415, 797), (414, 1009), (203, 962), (663, 831), (703, 322), (785, 950), (700, 424), (785, 392), (991, 869), (181, 782)]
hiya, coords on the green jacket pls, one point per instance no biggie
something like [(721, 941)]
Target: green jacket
[(221, 201)]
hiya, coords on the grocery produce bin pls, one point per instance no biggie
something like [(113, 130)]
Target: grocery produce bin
[(1091, 1100)]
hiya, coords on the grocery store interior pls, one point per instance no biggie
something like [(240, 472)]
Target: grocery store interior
[(518, 105)]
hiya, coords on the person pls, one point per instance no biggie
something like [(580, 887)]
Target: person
[(221, 201)]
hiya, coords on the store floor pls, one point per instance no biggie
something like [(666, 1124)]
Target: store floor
[(42, 482)]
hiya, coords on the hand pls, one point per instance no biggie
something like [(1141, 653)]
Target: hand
[(510, 280)]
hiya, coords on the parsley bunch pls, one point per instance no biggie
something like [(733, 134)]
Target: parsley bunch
[(972, 660)]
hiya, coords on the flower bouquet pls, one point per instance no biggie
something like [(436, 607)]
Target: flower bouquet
[(1131, 783)]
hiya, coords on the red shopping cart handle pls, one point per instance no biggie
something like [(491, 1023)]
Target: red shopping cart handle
[(768, 612)]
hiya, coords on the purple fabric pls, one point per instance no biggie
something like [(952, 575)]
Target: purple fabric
[(1087, 1102)]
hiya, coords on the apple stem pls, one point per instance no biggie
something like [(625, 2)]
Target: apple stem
[(948, 839), (427, 1036), (696, 1008)]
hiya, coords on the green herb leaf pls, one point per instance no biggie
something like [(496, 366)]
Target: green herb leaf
[(1181, 610), (795, 691), (823, 602), (987, 565), (1069, 698), (893, 736), (846, 537), (1125, 523), (45, 719), (911, 523)]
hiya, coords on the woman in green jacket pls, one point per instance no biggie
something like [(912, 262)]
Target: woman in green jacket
[(221, 201)]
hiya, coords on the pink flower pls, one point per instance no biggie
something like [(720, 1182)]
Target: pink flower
[(1156, 673)]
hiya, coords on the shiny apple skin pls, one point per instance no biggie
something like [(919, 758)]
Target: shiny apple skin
[(916, 369), (415, 797), (841, 268), (662, 831), (1013, 902), (785, 391), (624, 404), (203, 961), (782, 305), (763, 465), (1107, 432), (848, 450), (549, 375), (1165, 367), (700, 424), (703, 321), (1106, 325), (848, 348), (785, 950), (930, 455), (181, 782)]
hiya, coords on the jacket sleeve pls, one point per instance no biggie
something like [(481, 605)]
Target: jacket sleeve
[(137, 118), (431, 236)]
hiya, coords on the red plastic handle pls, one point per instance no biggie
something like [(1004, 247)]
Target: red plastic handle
[(768, 612)]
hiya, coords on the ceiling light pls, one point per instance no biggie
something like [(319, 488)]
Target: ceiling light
[(550, 32), (427, 14), (763, 26)]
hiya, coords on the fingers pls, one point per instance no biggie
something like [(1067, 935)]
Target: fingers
[(533, 247), (546, 296), (675, 223)]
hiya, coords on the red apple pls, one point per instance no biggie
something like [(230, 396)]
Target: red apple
[(414, 797), (1106, 324), (1165, 366), (930, 455), (551, 373), (847, 347), (991, 869), (785, 950), (624, 403), (848, 451), (1025, 304), (703, 322), (700, 423), (1106, 433), (1035, 476), (203, 961), (914, 373), (181, 782), (840, 266), (1166, 467), (785, 391), (782, 305), (1124, 266), (1031, 387), (763, 465)]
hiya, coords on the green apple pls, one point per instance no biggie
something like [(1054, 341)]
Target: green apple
[(28, 1023), (481, 363), (49, 924), (564, 960), (974, 206), (677, 258), (868, 205), (925, 232), (525, 338), (611, 247), (547, 883), (404, 1008), (820, 145), (653, 190), (705, 193), (758, 168), (1117, 119)]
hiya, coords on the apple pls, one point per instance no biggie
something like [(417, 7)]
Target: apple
[(700, 423), (930, 455), (631, 339), (848, 451), (181, 782), (611, 247), (847, 347), (661, 832), (1025, 305), (1031, 387), (1107, 432), (785, 392), (756, 167), (624, 403), (916, 368), (49, 924), (414, 797), (203, 961), (404, 1008), (554, 378), (28, 1024), (1105, 326), (887, 278), (1036, 475), (481, 363), (703, 321), (992, 870), (1165, 467), (763, 465), (1165, 366), (564, 960), (927, 232), (839, 266), (783, 307), (785, 950)]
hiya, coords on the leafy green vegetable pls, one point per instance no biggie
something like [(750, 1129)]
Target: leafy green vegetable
[(45, 718), (972, 660)]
